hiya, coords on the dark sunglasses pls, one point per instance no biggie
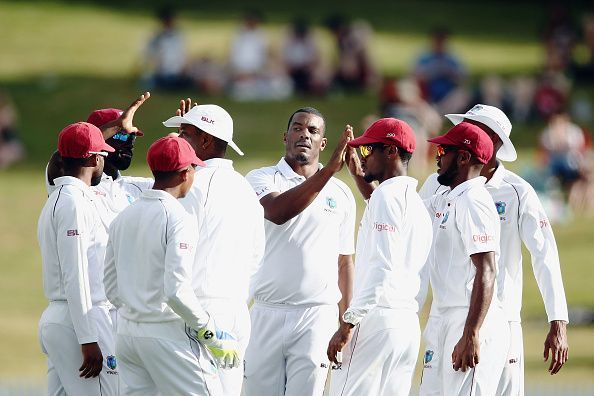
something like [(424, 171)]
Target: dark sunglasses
[(367, 149), (443, 150), (124, 136)]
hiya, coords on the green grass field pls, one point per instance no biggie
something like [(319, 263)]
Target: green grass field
[(60, 61)]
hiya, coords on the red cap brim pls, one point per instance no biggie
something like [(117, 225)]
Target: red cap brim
[(108, 148), (362, 140), (443, 139)]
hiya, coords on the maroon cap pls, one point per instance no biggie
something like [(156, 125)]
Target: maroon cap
[(81, 140), (171, 153), (469, 137), (103, 116), (388, 131)]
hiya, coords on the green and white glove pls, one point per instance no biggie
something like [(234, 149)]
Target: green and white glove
[(222, 345)]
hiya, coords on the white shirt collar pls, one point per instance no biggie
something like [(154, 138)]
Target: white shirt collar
[(405, 180), (462, 187), (219, 163), (288, 172), (64, 180), (495, 180), (157, 194)]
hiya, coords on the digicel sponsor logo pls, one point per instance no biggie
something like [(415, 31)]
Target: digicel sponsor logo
[(483, 238), (384, 227)]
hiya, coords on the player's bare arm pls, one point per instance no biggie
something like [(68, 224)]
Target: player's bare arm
[(281, 207), (125, 122), (92, 360), (356, 170), (466, 353), (345, 282), (556, 346)]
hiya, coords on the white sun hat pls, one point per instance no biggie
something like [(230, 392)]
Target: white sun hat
[(209, 118), (496, 120)]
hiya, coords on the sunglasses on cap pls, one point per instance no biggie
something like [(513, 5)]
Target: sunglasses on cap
[(124, 136), (443, 150), (101, 153), (367, 149)]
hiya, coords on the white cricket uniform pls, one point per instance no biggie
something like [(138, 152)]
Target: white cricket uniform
[(522, 219), (72, 241), (229, 251), (465, 222), (392, 248), (148, 276), (296, 289)]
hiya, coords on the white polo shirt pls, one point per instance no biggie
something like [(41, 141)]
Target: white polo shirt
[(113, 195), (522, 219), (300, 264), (72, 241), (392, 247), (465, 222), (231, 231), (148, 264)]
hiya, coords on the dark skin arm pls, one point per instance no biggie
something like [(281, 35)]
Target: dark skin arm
[(282, 207), (125, 121), (466, 353), (345, 284), (92, 360), (556, 346), (354, 167)]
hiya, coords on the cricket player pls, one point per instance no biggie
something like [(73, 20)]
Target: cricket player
[(379, 335), (163, 332), (472, 333), (231, 226), (76, 329), (522, 219), (307, 263)]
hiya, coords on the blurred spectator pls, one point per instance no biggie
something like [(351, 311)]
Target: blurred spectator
[(355, 69), (301, 58), (552, 93), (253, 74), (208, 76), (522, 90), (442, 75), (566, 149), (11, 148), (492, 90), (559, 37), (402, 99), (165, 55)]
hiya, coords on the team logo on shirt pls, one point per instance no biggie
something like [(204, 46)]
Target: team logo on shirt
[(130, 199), (111, 362), (384, 227), (444, 220), (331, 202), (427, 358), (72, 233), (500, 205)]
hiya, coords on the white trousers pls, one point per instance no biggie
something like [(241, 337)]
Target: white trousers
[(430, 382), (164, 358), (380, 359), (233, 317), (64, 357), (512, 379), (286, 354), (483, 379)]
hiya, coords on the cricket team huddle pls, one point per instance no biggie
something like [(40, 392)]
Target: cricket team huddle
[(200, 281)]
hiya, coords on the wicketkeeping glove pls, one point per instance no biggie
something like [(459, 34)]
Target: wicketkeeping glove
[(222, 345)]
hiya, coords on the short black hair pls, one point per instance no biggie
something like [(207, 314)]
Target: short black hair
[(308, 110), (164, 176), (405, 156), (73, 163)]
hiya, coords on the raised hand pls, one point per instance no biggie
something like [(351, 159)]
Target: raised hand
[(184, 106), (338, 156)]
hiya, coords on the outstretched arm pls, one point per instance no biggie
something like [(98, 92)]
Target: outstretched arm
[(125, 121)]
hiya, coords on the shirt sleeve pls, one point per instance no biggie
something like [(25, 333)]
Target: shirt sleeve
[(262, 182), (110, 279), (74, 226), (384, 243), (537, 235), (179, 260), (476, 221), (430, 187), (346, 241)]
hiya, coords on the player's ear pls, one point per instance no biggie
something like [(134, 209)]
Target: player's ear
[(285, 137), (391, 150), (323, 144)]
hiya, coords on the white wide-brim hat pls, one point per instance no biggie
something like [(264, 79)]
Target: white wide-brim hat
[(496, 120), (209, 118)]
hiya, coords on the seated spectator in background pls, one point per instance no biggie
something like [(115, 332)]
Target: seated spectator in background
[(442, 75), (11, 148), (165, 55), (355, 70), (552, 94), (492, 90), (566, 149), (208, 76), (252, 75), (301, 58), (559, 36)]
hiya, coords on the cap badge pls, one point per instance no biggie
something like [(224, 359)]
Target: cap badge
[(390, 134), (207, 120), (466, 141)]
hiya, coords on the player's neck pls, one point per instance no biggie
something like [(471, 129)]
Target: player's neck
[(489, 169), (303, 169)]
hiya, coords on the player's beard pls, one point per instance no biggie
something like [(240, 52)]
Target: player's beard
[(95, 180), (447, 177), (369, 178)]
